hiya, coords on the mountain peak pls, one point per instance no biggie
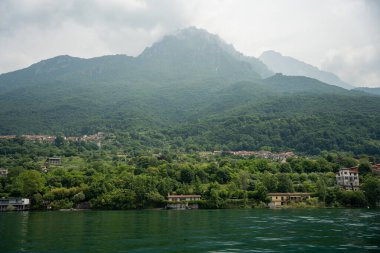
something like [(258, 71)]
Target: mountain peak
[(193, 31), (197, 44), (60, 59), (270, 53), (290, 66), (190, 38)]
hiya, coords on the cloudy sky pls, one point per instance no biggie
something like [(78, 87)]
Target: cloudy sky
[(341, 36)]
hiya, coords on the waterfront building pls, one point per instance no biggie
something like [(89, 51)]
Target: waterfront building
[(348, 178), (183, 202), (14, 204), (279, 199), (175, 198)]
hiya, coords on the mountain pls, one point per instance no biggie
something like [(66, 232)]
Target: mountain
[(293, 67), (197, 49), (374, 91), (189, 90)]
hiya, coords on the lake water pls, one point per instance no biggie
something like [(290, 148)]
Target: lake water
[(255, 230)]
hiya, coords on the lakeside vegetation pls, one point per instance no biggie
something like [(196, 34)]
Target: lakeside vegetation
[(110, 178)]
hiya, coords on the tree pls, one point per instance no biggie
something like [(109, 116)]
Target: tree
[(187, 175), (28, 183), (116, 199), (285, 168), (197, 185), (79, 197), (154, 199), (261, 165), (243, 179), (371, 189), (223, 176), (330, 197), (346, 161), (364, 167), (270, 182), (353, 198), (261, 192), (285, 184), (59, 141), (215, 199), (321, 189)]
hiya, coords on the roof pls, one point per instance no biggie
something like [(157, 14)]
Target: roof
[(352, 169), (184, 196), (7, 136), (289, 194)]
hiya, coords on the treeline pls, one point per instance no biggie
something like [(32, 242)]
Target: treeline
[(110, 179)]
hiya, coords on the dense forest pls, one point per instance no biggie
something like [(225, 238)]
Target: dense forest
[(107, 178)]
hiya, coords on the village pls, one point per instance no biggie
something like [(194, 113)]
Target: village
[(279, 157), (51, 138)]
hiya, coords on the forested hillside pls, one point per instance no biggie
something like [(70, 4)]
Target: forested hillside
[(189, 90), (375, 91)]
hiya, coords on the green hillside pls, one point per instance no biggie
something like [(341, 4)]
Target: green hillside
[(192, 91), (374, 91)]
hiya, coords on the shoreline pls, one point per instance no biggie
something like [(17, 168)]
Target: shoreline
[(199, 209)]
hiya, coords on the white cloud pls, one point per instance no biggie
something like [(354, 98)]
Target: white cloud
[(320, 32), (32, 30), (359, 65)]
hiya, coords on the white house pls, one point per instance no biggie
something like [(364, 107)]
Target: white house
[(348, 178)]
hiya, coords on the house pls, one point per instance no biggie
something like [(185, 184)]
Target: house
[(348, 178), (39, 138), (14, 204), (182, 202), (7, 137), (280, 157), (44, 169), (175, 198), (279, 199), (53, 161), (3, 172), (376, 170)]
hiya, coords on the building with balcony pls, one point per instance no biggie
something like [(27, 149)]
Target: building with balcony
[(53, 161), (14, 204), (279, 199), (348, 178), (183, 202)]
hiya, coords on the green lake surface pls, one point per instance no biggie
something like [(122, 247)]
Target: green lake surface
[(250, 230)]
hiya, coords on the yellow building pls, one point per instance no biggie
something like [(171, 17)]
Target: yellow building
[(279, 199), (183, 202)]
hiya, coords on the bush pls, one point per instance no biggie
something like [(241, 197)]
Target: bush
[(353, 199), (61, 204)]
